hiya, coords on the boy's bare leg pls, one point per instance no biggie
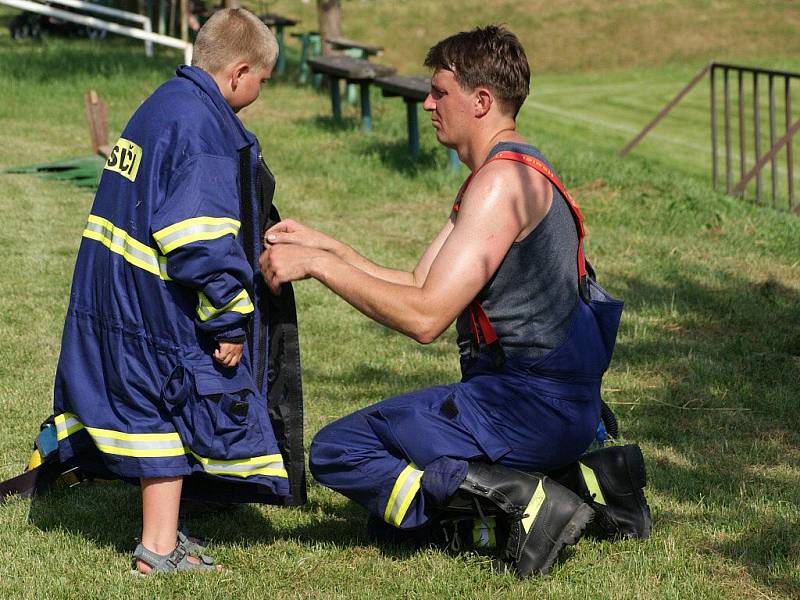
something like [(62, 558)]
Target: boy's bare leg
[(161, 500)]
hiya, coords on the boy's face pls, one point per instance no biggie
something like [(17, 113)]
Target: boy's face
[(244, 84)]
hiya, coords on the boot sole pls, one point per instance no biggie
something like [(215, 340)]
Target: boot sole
[(569, 536)]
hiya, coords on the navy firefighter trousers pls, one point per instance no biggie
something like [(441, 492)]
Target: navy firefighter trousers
[(403, 457)]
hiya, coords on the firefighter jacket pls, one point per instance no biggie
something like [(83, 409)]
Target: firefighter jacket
[(167, 268)]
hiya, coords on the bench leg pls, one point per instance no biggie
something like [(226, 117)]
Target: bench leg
[(280, 66), (336, 98), (366, 114), (413, 128), (304, 69), (310, 48)]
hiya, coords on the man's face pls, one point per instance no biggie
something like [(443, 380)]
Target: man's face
[(248, 87), (451, 108)]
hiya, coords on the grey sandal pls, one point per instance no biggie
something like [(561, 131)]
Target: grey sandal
[(194, 545), (177, 560)]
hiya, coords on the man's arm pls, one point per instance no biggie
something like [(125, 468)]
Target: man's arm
[(496, 208), (292, 232)]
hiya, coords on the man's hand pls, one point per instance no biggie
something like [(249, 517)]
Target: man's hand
[(292, 232), (229, 354), (282, 263)]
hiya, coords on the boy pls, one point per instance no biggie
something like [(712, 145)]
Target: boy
[(160, 375)]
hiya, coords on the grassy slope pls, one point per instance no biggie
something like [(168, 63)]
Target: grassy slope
[(704, 376)]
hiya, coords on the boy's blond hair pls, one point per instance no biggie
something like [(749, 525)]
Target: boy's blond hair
[(232, 35)]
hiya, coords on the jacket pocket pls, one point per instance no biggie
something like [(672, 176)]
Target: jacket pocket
[(215, 413)]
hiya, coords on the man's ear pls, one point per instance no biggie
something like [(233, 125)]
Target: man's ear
[(483, 101), (238, 71)]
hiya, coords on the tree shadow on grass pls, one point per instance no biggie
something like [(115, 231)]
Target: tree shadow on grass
[(109, 514), (329, 124), (397, 156), (724, 414)]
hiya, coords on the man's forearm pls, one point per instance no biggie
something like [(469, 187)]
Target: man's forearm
[(399, 306), (353, 258)]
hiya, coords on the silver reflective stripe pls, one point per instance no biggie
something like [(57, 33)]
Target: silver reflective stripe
[(194, 232), (405, 488), (240, 304), (65, 425), (119, 241), (111, 442), (224, 468)]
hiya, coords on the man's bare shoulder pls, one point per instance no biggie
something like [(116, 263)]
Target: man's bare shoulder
[(509, 187)]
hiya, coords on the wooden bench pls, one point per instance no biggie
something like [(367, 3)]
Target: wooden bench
[(353, 48), (278, 23), (356, 50), (352, 70), (413, 90)]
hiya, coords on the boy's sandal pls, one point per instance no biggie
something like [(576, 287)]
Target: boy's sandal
[(175, 561), (195, 546)]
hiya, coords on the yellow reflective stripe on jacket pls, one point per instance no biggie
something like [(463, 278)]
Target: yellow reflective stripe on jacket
[(141, 445), (240, 304), (534, 505), (592, 484), (403, 492), (270, 465), (121, 242), (66, 425), (194, 230), (159, 445)]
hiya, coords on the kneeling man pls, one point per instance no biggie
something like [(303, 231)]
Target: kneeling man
[(535, 332)]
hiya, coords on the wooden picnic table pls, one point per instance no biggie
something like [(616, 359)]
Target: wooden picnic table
[(278, 23), (352, 70), (413, 90)]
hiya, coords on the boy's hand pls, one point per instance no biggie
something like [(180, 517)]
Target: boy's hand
[(229, 354)]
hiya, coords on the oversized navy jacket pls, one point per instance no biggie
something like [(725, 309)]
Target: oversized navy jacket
[(167, 267)]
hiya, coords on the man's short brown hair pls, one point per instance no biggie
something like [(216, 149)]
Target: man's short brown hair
[(232, 35), (486, 56)]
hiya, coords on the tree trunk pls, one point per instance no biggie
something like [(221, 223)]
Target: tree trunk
[(330, 21), (233, 4)]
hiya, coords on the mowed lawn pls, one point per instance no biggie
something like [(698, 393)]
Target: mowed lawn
[(705, 377)]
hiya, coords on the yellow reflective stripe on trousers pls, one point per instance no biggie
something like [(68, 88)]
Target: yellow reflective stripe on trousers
[(194, 230), (121, 242), (592, 484), (270, 465), (240, 304), (403, 492), (161, 445), (534, 505)]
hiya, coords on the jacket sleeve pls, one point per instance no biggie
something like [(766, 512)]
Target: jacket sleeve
[(196, 228)]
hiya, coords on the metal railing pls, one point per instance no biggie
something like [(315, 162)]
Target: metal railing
[(741, 109), (145, 36)]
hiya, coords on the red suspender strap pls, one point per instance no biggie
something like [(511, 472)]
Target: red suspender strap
[(478, 317)]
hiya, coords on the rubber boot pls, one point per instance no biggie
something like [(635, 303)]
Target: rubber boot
[(540, 515), (611, 481)]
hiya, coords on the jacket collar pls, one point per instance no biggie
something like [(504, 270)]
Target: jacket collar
[(206, 83)]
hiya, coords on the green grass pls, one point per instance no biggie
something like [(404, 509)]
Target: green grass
[(705, 375)]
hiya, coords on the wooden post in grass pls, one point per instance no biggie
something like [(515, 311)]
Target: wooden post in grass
[(97, 116)]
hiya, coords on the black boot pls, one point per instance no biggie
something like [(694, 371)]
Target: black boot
[(540, 515), (611, 481)]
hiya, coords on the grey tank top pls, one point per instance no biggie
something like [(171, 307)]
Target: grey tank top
[(531, 296)]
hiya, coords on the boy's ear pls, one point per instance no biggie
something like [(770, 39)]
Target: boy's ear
[(238, 71)]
